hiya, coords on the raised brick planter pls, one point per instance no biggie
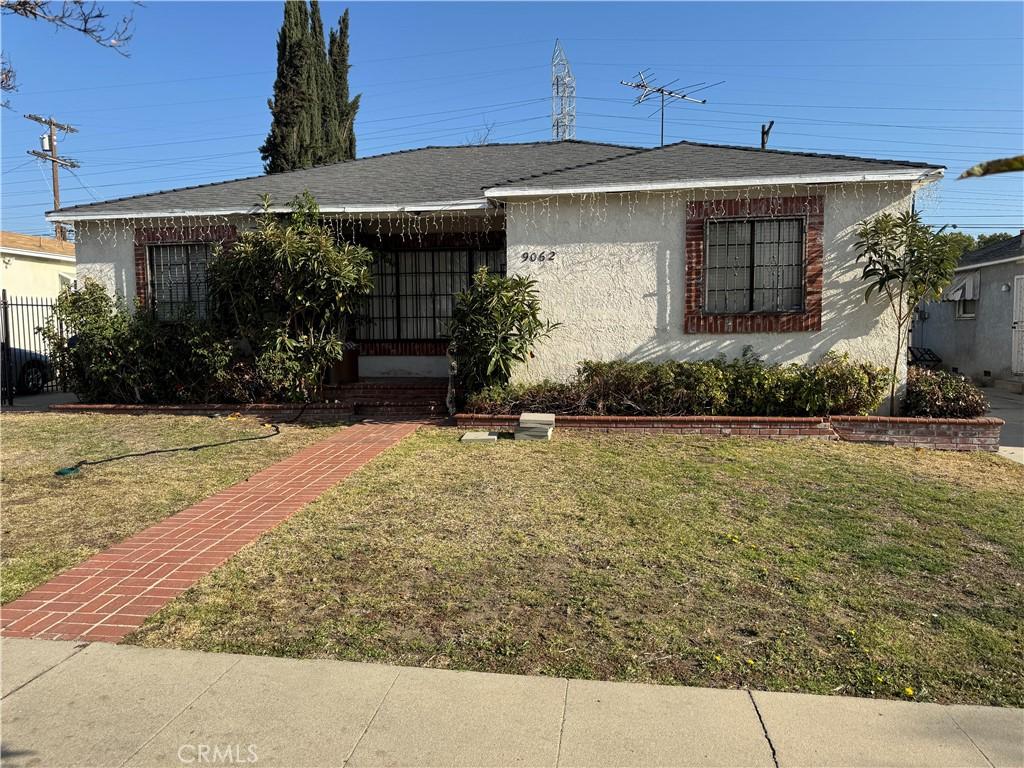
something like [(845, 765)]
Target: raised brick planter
[(721, 426), (942, 434), (314, 412)]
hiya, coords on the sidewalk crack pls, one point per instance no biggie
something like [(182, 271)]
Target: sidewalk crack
[(965, 733), (181, 711), (370, 721), (81, 647), (561, 728), (764, 728)]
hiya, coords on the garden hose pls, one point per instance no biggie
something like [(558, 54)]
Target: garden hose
[(275, 426)]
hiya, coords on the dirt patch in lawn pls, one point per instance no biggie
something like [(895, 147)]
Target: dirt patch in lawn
[(805, 566), (50, 523)]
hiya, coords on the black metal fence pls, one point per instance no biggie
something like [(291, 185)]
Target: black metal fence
[(25, 364)]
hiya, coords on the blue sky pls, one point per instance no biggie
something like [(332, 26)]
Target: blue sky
[(935, 82)]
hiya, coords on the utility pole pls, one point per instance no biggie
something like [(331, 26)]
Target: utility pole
[(765, 131), (645, 84), (49, 145)]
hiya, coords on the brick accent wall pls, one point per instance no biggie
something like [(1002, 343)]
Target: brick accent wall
[(943, 434), (939, 434), (718, 426), (225, 234), (810, 209)]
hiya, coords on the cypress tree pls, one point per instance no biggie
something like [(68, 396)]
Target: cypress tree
[(338, 54), (283, 148), (325, 111), (312, 118)]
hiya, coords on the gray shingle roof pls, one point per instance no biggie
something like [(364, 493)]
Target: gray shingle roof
[(690, 161), (406, 178), (444, 175), (1006, 249)]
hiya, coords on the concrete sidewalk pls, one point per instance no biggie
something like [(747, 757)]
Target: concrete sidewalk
[(68, 703), (1009, 407)]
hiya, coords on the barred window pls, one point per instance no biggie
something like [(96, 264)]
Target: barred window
[(754, 266), (177, 275), (414, 291)]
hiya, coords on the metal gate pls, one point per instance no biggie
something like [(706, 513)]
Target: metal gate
[(25, 361)]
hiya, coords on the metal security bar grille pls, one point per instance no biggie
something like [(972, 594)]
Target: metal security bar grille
[(754, 266), (414, 291), (177, 279)]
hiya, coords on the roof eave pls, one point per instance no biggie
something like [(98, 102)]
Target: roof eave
[(921, 175), (450, 205)]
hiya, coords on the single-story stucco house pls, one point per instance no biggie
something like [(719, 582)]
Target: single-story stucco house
[(683, 251), (977, 329)]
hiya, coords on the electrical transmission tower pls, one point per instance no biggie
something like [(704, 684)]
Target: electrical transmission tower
[(48, 142), (563, 96), (645, 84)]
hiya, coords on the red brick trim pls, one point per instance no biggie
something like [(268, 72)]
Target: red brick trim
[(411, 348), (225, 234), (940, 434), (811, 209)]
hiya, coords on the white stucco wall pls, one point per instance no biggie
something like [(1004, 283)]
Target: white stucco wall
[(616, 283), (104, 252)]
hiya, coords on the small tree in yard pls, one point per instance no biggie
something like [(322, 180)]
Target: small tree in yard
[(494, 325), (907, 263), (286, 292)]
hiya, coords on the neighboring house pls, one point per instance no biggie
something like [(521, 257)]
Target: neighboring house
[(36, 267), (684, 251), (978, 326)]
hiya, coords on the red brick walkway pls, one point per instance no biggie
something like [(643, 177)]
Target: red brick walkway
[(113, 592)]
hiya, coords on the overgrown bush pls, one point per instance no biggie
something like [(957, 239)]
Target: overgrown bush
[(495, 323), (746, 386), (280, 302), (284, 293), (942, 395), (107, 353)]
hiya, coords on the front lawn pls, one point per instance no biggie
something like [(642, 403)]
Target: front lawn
[(810, 566), (50, 523)]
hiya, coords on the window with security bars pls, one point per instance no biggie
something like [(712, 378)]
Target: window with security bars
[(754, 266), (414, 291), (177, 275)]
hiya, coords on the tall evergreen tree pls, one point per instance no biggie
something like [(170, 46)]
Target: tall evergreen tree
[(287, 144), (325, 111), (338, 54), (312, 116)]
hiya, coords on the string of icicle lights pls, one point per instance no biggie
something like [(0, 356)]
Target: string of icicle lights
[(536, 214)]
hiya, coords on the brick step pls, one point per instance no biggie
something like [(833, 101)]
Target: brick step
[(402, 410)]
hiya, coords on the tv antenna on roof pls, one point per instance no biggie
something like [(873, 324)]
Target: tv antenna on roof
[(645, 84)]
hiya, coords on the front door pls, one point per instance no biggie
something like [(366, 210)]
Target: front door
[(1018, 325)]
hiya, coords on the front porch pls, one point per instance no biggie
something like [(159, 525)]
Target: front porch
[(402, 333)]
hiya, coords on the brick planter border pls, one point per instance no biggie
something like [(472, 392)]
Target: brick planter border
[(942, 434), (315, 412)]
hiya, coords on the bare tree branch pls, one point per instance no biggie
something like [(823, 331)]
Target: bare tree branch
[(8, 79), (83, 16)]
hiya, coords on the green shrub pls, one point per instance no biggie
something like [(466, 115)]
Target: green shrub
[(105, 353), (835, 385), (942, 395), (742, 387), (280, 303), (284, 293), (495, 323)]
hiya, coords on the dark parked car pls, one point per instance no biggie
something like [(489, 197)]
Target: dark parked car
[(32, 370)]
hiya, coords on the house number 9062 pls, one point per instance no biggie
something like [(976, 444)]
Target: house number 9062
[(538, 256)]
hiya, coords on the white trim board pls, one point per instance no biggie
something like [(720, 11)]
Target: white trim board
[(452, 205), (37, 254), (910, 174)]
